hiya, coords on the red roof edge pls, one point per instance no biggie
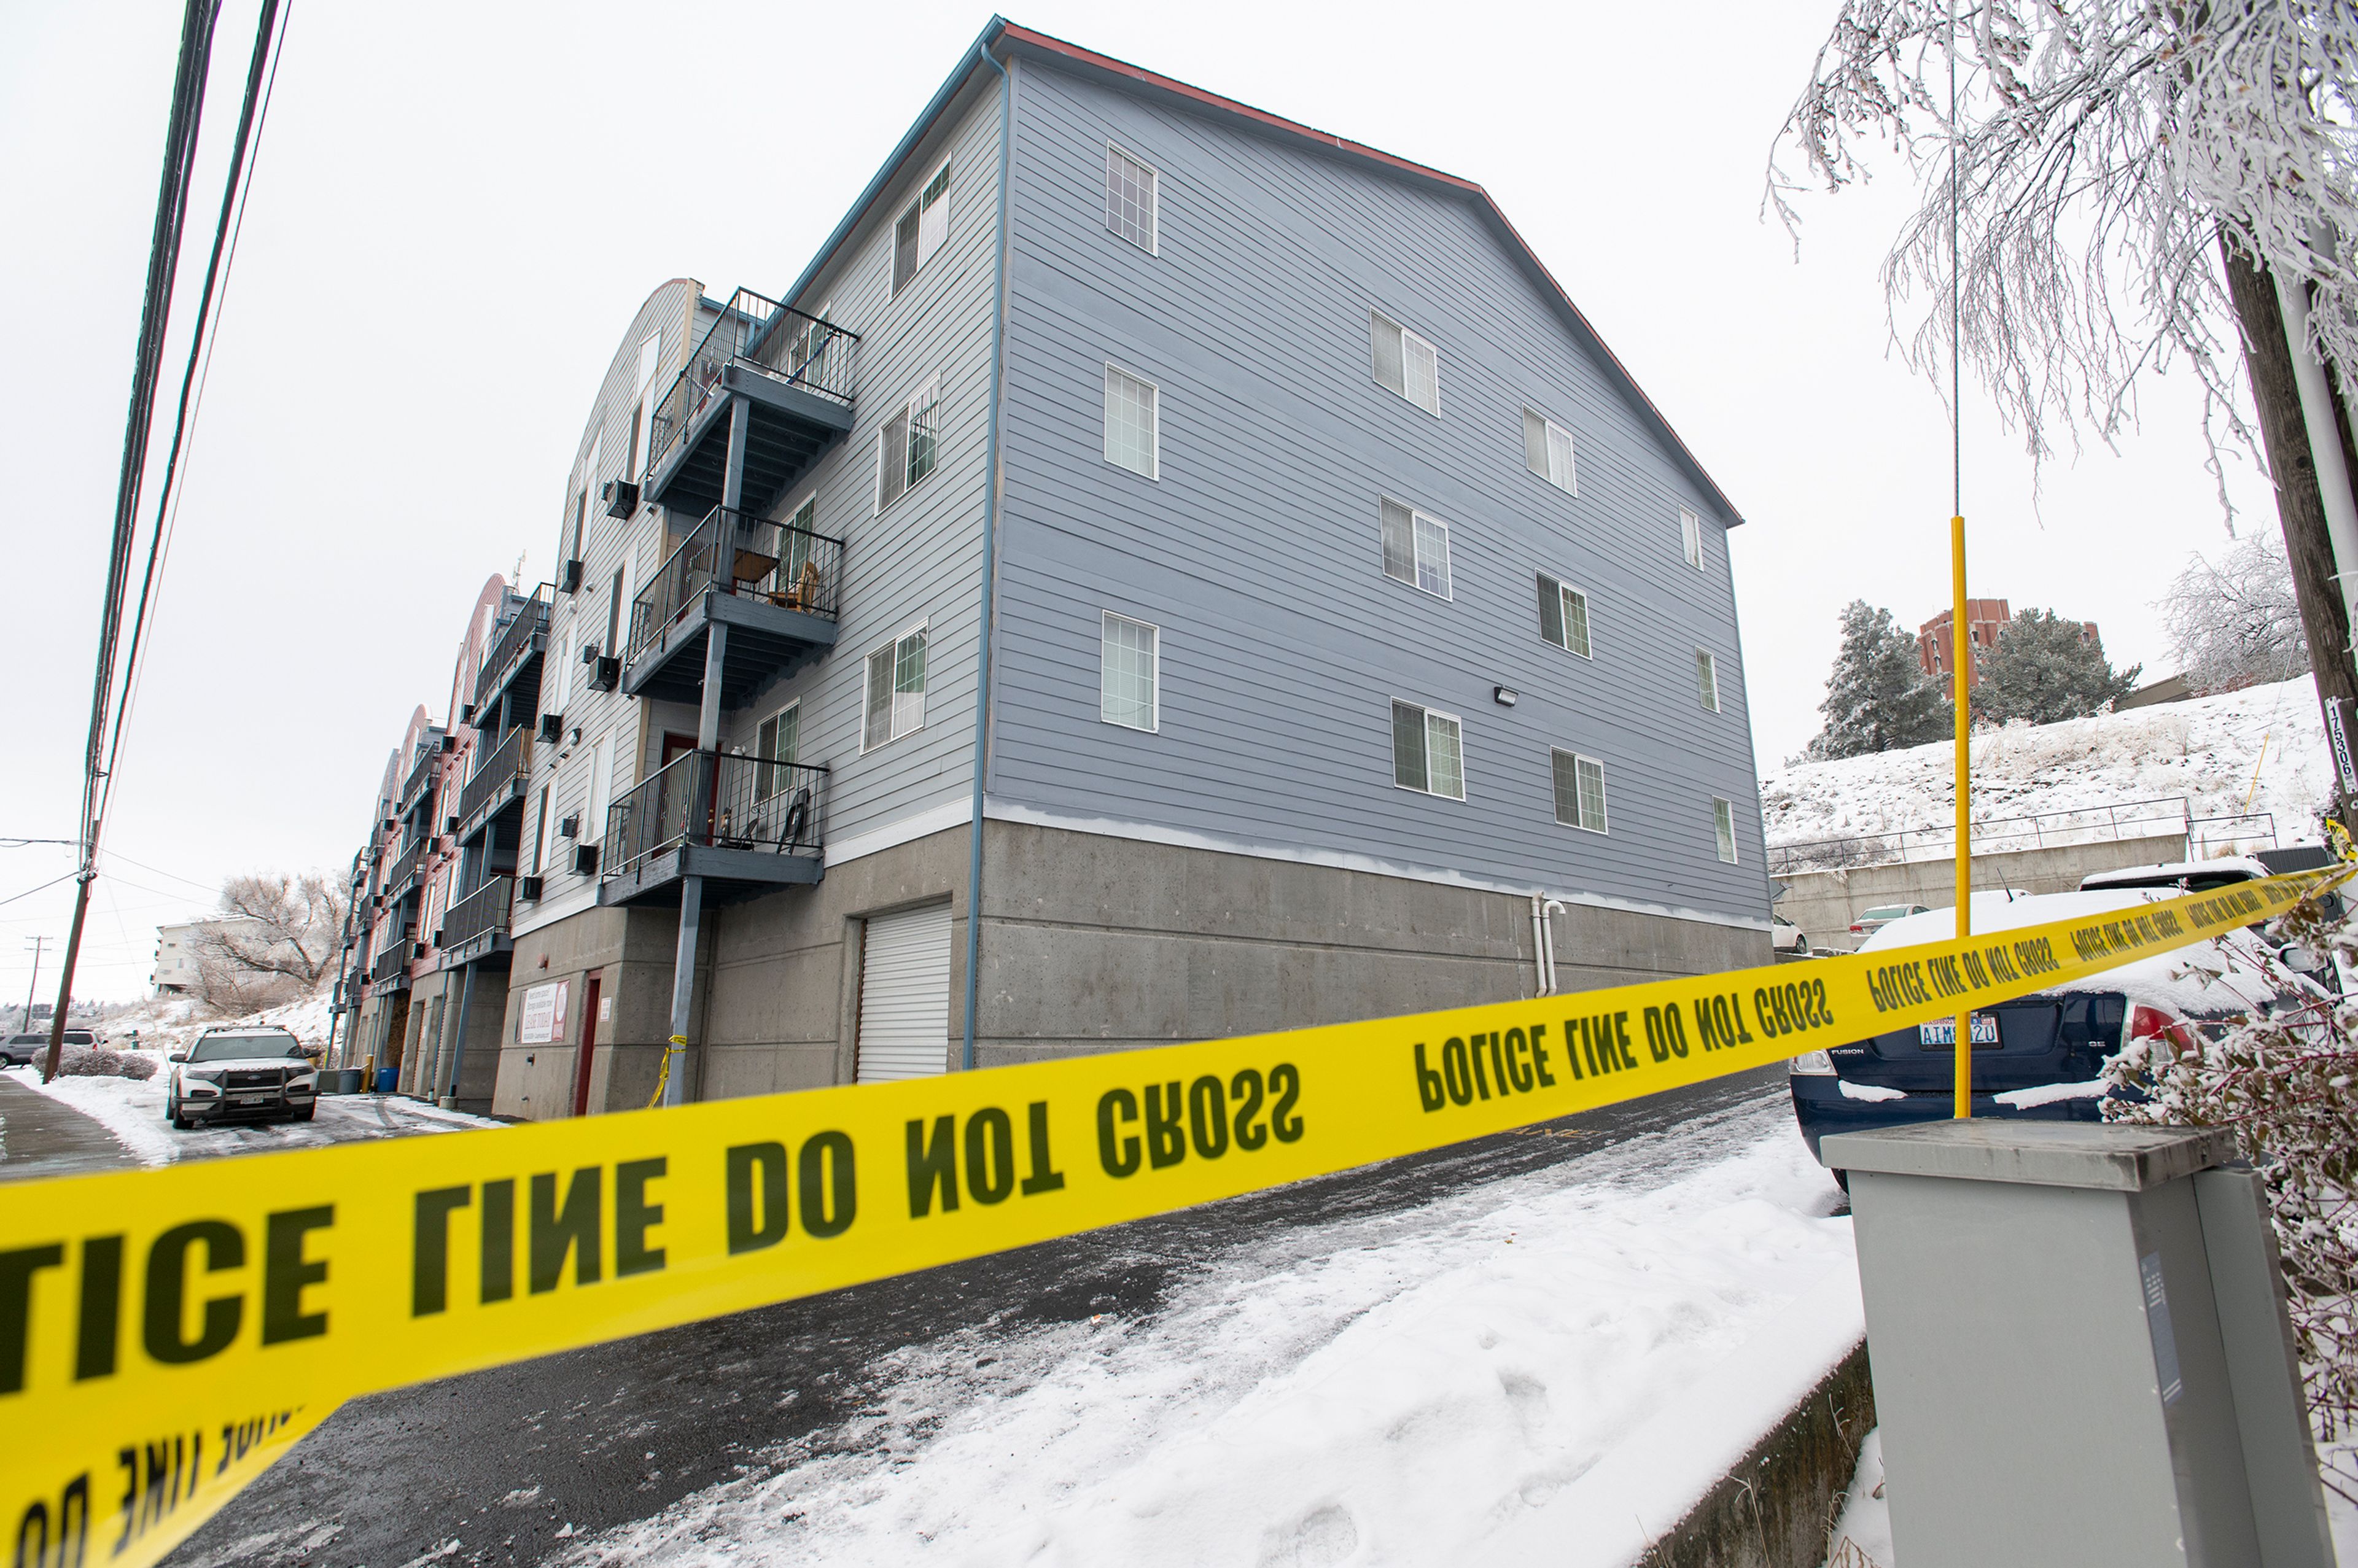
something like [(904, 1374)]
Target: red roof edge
[(1361, 150)]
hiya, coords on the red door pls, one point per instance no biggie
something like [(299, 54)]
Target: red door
[(585, 1055)]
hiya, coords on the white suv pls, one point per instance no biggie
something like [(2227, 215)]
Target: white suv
[(241, 1074)]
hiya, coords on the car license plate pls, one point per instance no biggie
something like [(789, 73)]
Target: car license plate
[(264, 1099), (1942, 1035)]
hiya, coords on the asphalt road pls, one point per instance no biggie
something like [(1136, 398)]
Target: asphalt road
[(513, 1465)]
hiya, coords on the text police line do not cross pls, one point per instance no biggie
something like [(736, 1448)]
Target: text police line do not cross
[(166, 1333)]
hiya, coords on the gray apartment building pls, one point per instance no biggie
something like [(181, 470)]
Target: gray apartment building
[(1159, 572)]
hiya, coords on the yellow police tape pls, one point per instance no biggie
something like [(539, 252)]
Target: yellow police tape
[(165, 1333)]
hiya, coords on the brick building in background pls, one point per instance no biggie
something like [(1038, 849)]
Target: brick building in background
[(1985, 618)]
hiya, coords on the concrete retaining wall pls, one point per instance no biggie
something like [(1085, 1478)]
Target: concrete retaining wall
[(1774, 1509), (1823, 904)]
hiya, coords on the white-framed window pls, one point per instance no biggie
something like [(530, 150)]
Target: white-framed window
[(1131, 665), (1547, 451), (896, 689), (1405, 362), (1563, 615), (650, 358), (778, 741), (908, 444), (1707, 679), (1427, 751), (1416, 548), (1691, 538), (1579, 790), (1723, 824), (601, 784), (1132, 409), (1130, 198), (923, 225)]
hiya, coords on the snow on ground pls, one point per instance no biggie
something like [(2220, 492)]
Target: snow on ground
[(133, 1112), (2206, 750), (1398, 1389), (168, 1024)]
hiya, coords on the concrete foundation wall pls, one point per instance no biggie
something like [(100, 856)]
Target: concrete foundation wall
[(1095, 943), (632, 952), (783, 1002), (1090, 943), (1823, 904)]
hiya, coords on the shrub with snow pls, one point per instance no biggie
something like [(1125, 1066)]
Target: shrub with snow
[(97, 1062), (2283, 1082)]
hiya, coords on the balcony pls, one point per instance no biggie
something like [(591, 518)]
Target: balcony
[(497, 786), (390, 971), (514, 658), (401, 876), (772, 585), (746, 826), (476, 926), (794, 375), (421, 777)]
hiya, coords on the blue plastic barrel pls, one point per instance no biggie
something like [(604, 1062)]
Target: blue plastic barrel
[(387, 1079)]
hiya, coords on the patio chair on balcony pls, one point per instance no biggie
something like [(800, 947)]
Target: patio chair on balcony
[(802, 593)]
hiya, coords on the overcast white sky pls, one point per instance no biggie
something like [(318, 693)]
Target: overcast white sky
[(460, 206)]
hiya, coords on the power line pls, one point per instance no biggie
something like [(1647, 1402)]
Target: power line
[(189, 94)]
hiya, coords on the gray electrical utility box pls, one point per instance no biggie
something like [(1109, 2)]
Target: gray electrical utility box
[(2079, 1350)]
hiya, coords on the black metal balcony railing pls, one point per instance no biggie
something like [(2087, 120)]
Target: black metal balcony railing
[(737, 553), (525, 633), (721, 802), (419, 776), (392, 955), (404, 868), (501, 772), (484, 910), (769, 339)]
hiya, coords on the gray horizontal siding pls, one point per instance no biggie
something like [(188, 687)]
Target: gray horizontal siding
[(1258, 551), (920, 560)]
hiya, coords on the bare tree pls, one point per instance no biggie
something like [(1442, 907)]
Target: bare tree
[(2233, 622), (2140, 185), (276, 936)]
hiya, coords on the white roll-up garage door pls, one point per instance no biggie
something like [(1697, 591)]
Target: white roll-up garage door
[(904, 995)]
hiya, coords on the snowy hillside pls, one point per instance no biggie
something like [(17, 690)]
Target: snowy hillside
[(166, 1024), (2206, 750)]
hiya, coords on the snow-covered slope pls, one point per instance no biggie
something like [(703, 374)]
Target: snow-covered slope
[(2206, 750), (166, 1024)]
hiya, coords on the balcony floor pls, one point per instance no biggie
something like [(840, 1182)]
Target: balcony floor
[(766, 642), (730, 876), (792, 428)]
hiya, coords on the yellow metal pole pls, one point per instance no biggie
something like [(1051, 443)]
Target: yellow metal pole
[(1960, 654)]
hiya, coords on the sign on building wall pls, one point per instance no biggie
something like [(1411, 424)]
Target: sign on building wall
[(543, 1013)]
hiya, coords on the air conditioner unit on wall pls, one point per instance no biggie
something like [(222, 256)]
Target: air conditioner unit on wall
[(552, 725), (528, 888), (450, 743), (569, 577), (585, 860), (449, 825), (466, 713), (570, 826), (605, 673), (622, 497)]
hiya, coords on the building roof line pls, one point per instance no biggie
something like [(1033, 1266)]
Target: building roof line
[(999, 31)]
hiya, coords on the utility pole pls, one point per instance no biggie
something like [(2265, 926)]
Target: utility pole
[(32, 988)]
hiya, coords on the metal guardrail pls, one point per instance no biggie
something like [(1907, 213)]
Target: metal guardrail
[(514, 642), (482, 911), (419, 776), (2032, 831), (761, 335), (740, 553), (725, 802), (394, 959), (507, 766)]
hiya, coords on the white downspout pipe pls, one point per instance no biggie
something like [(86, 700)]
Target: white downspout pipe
[(1539, 945)]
